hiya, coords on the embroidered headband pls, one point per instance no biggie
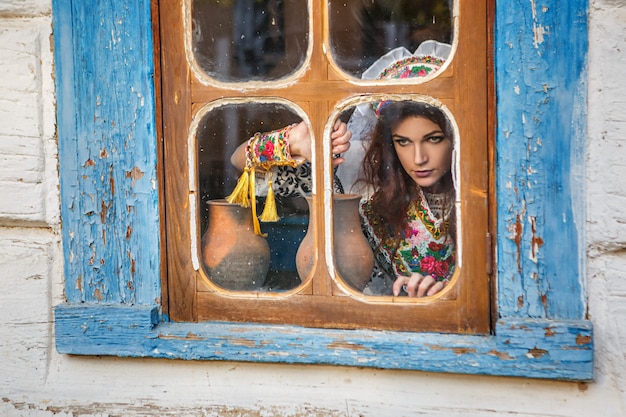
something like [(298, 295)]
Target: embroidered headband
[(410, 67), (400, 63)]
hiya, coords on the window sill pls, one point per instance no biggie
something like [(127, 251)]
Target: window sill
[(535, 348)]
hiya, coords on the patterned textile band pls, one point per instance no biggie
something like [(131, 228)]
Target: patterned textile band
[(263, 152)]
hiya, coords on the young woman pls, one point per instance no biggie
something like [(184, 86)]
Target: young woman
[(409, 219)]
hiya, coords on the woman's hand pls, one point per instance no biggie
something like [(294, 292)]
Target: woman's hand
[(340, 140), (300, 141), (417, 285)]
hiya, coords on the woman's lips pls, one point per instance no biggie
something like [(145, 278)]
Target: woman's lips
[(422, 174)]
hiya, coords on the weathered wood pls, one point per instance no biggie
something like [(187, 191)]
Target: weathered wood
[(28, 256), (529, 144), (565, 351), (25, 123), (107, 152), (541, 91)]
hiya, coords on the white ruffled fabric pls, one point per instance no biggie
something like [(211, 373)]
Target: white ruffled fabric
[(363, 120), (431, 48)]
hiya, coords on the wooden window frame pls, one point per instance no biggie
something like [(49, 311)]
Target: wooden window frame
[(108, 137), (463, 307)]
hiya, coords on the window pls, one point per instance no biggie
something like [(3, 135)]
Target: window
[(258, 66), (111, 219)]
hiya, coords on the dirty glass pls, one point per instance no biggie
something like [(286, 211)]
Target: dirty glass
[(361, 31), (247, 40), (220, 133)]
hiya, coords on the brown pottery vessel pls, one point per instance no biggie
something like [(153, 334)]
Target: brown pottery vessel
[(354, 259), (235, 257)]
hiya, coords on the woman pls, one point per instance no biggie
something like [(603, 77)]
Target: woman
[(409, 218)]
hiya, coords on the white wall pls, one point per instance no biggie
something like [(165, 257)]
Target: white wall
[(36, 381)]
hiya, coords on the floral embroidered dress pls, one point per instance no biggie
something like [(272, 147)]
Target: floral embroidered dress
[(426, 248)]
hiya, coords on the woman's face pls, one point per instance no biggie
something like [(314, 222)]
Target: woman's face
[(424, 151)]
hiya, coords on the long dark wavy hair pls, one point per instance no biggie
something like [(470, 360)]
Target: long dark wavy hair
[(395, 189)]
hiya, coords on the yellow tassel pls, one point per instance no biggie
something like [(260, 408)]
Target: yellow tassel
[(255, 219), (269, 212), (240, 193)]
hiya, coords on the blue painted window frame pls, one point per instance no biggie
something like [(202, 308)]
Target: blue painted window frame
[(104, 69)]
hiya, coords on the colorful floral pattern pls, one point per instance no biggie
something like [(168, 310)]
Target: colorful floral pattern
[(426, 247), (411, 67), (270, 149)]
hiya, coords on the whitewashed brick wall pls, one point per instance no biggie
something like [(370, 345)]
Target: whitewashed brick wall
[(35, 381), (606, 189), (28, 166)]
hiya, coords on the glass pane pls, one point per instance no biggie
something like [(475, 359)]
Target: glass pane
[(400, 170), (362, 31), (234, 257), (245, 40)]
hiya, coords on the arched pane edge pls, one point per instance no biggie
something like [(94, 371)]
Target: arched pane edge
[(243, 41), (402, 170), (229, 252)]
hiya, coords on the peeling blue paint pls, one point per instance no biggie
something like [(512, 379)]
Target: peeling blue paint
[(541, 91), (523, 350), (107, 151)]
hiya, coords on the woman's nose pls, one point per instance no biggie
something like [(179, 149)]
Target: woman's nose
[(420, 156)]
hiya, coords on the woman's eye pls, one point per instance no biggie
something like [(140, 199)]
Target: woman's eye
[(401, 141), (435, 139)]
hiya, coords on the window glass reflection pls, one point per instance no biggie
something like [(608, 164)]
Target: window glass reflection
[(362, 31), (245, 40)]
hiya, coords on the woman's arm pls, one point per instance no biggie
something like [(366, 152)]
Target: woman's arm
[(300, 144)]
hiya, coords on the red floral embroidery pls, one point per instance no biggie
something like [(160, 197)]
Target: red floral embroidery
[(433, 253), (441, 269), (427, 264), (436, 247), (269, 150)]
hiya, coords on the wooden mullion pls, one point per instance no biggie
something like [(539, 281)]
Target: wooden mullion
[(442, 88), (176, 98), (322, 285)]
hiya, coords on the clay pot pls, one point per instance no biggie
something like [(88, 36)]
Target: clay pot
[(234, 257), (354, 259), (305, 256)]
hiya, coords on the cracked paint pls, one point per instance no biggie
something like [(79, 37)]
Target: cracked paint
[(134, 174), (346, 345), (536, 353), (501, 355), (536, 242)]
